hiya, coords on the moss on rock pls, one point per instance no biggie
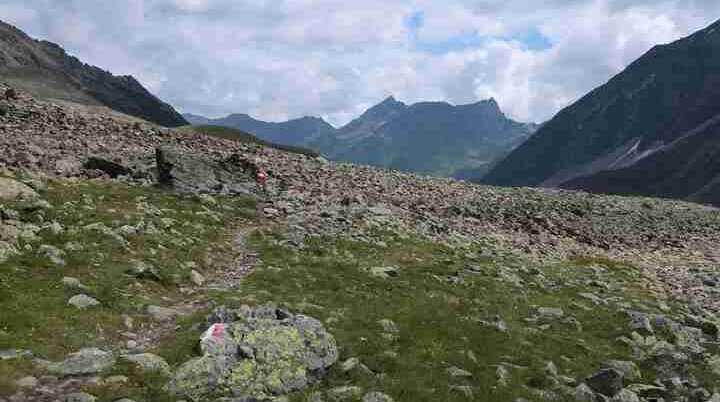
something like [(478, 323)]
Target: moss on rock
[(266, 352)]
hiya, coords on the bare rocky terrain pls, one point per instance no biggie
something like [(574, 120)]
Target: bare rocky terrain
[(337, 281)]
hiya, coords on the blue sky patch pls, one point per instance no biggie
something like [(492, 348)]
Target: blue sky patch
[(532, 39)]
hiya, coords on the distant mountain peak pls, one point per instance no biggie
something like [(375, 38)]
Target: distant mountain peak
[(389, 100)]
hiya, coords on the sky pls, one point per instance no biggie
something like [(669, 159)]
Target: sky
[(284, 59)]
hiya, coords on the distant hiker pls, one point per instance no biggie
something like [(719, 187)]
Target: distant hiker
[(261, 179)]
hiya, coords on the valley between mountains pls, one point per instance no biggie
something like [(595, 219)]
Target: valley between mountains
[(143, 259)]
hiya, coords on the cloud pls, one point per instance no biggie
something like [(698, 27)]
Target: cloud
[(279, 59)]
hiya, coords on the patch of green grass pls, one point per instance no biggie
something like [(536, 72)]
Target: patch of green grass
[(141, 385), (33, 300), (440, 307), (241, 136)]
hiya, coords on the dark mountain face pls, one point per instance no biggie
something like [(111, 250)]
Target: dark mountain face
[(46, 70), (688, 168), (296, 132), (631, 125)]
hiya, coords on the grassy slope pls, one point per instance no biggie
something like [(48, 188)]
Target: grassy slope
[(438, 305), (438, 314), (241, 136), (33, 300)]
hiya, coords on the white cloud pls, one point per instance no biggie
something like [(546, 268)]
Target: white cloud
[(278, 59)]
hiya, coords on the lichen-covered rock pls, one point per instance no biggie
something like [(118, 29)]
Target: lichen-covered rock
[(345, 393), (12, 189), (628, 369), (148, 362), (266, 352), (84, 362), (376, 397)]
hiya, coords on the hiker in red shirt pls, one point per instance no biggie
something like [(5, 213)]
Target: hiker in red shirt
[(261, 179)]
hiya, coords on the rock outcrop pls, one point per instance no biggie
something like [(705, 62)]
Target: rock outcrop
[(264, 351), (191, 173)]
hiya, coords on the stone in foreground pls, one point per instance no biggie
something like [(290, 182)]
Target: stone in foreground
[(84, 362), (263, 352), (12, 190)]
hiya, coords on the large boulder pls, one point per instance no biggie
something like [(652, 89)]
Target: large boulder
[(111, 168), (12, 190), (263, 352), (190, 173)]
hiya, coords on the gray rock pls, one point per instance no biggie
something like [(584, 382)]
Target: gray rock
[(83, 301), (647, 391), (629, 370), (583, 393), (265, 352), (144, 271), (316, 397), (13, 190), (162, 313), (84, 362), (354, 364), (54, 254), (626, 396), (189, 173), (12, 354), (640, 322), (465, 390), (112, 169), (148, 362), (344, 393), (79, 397), (197, 278), (458, 372), (73, 283), (606, 381), (708, 327), (69, 166), (27, 382), (551, 312), (376, 397), (389, 326), (384, 272)]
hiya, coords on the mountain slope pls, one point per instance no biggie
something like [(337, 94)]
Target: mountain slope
[(668, 92), (46, 70), (688, 168), (428, 137), (295, 132)]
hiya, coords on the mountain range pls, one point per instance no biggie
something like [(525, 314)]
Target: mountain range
[(434, 138), (654, 129), (45, 70)]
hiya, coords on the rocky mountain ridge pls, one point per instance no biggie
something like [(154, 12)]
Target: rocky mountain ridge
[(428, 137), (296, 132), (651, 130), (45, 69)]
